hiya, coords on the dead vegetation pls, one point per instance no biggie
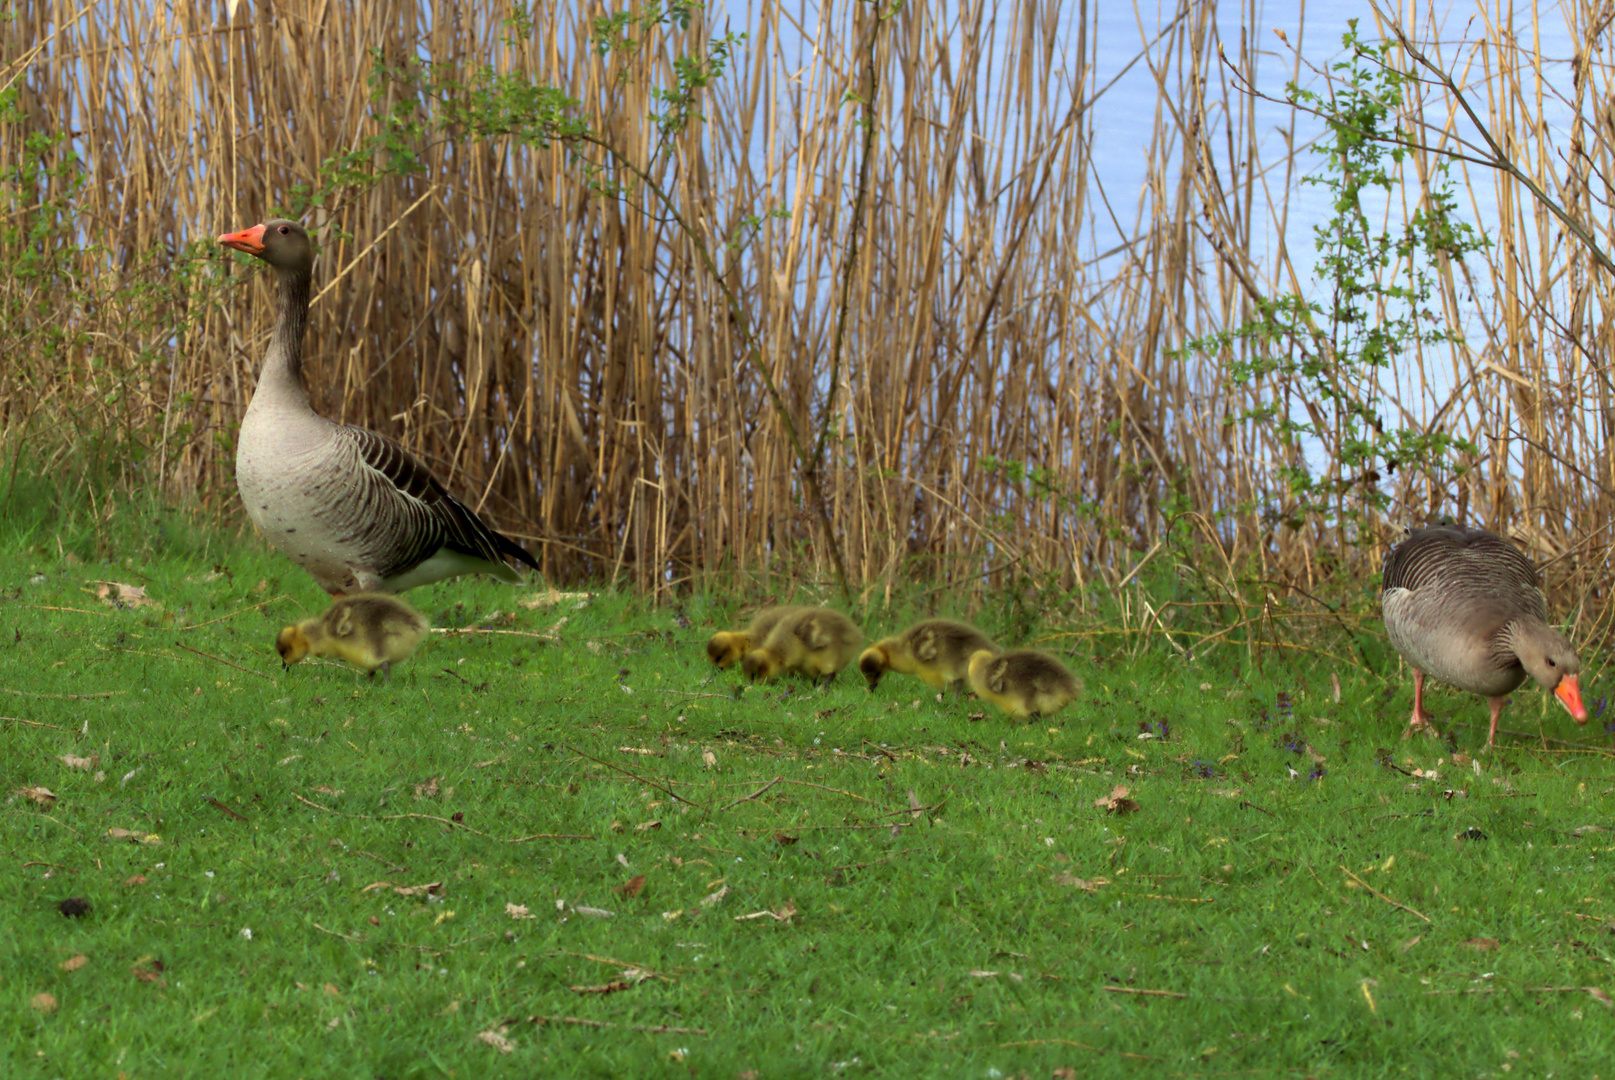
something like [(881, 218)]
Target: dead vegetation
[(955, 297)]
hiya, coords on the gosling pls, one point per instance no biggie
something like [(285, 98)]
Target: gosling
[(371, 631), (726, 647), (1023, 682), (937, 651), (815, 642)]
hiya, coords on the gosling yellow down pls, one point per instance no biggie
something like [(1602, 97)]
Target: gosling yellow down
[(371, 631), (937, 651), (816, 642), (726, 647), (1023, 682)]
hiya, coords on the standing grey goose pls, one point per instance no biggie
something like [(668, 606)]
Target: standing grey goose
[(352, 507), (1465, 606)]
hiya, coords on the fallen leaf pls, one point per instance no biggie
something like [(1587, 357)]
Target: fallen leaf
[(551, 597), (1600, 996), (73, 963), (135, 879), (119, 595), (331, 791), (41, 795), (88, 764), (518, 911), (151, 974), (1065, 877), (709, 759), (426, 789), (1481, 944), (784, 914), (645, 826), (497, 1040), (1117, 801), (132, 836), (594, 912), (632, 887), (977, 973), (603, 988), (431, 888), (42, 1003), (1410, 942), (714, 898)]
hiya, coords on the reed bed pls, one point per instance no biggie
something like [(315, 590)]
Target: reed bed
[(1000, 388)]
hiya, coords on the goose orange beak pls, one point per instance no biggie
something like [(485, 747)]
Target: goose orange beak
[(1569, 692), (250, 240)]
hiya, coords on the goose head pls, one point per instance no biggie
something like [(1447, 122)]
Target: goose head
[(280, 243), (1550, 659)]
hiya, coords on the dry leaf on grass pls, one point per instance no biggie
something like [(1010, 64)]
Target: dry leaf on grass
[(133, 836), (632, 887), (1117, 801), (593, 912), (784, 914), (152, 972), (426, 789), (135, 879), (709, 759), (1601, 996), (1481, 944), (518, 911), (646, 826), (431, 888), (41, 795), (715, 898), (42, 1003), (603, 988), (1065, 877), (119, 595), (88, 764), (551, 597), (73, 963), (497, 1040), (977, 973)]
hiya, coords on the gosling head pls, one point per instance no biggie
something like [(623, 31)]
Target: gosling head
[(296, 641), (873, 663), (760, 664)]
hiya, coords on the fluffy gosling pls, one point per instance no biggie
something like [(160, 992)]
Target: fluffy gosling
[(937, 651), (371, 631), (726, 647), (1023, 682), (815, 642)]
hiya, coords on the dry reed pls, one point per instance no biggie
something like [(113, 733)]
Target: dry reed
[(569, 365)]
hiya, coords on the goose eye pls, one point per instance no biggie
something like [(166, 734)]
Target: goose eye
[(1551, 663), (284, 231)]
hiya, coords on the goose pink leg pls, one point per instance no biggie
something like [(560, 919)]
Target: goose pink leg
[(1420, 721), (1497, 704)]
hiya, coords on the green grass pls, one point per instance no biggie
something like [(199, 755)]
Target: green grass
[(956, 940)]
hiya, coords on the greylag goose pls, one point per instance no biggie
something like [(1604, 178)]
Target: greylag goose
[(816, 642), (726, 647), (938, 651), (372, 631), (1466, 606), (352, 507), (1023, 682)]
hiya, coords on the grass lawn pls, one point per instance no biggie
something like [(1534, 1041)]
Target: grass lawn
[(567, 848)]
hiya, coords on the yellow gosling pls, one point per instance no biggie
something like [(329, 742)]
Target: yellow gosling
[(815, 642), (726, 647), (371, 631), (937, 651), (1023, 682)]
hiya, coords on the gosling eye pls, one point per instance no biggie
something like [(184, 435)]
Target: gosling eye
[(285, 231), (1551, 662)]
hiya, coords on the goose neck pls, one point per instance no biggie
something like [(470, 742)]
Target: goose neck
[(282, 375)]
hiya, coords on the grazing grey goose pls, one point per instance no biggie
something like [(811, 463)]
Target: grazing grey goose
[(1466, 606), (352, 507)]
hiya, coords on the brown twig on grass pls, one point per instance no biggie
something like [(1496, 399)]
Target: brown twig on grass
[(31, 723), (649, 783), (1382, 896), (222, 660), (233, 614), (753, 795), (1142, 992)]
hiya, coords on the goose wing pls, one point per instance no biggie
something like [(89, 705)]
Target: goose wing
[(420, 512), (1456, 566)]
